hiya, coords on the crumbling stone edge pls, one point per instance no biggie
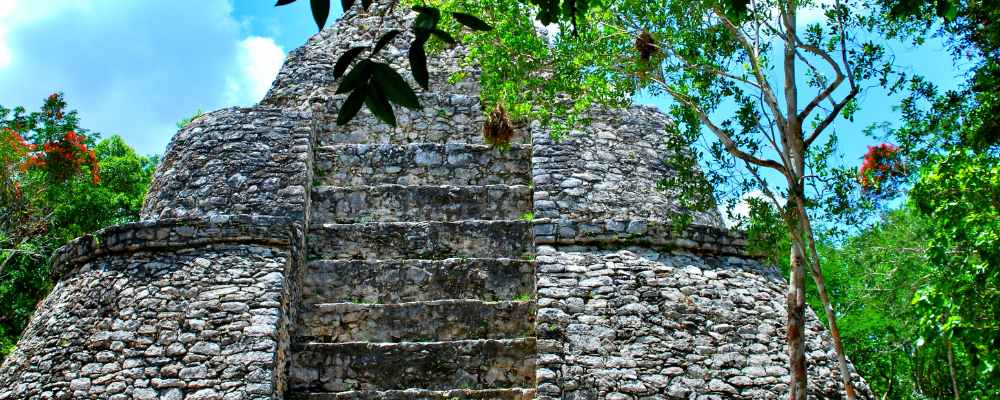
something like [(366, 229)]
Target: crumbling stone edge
[(173, 234), (640, 232)]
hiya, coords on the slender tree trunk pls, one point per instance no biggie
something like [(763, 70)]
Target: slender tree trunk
[(792, 141), (951, 368), (890, 377), (796, 322), (831, 317)]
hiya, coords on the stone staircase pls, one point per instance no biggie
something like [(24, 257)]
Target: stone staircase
[(420, 281)]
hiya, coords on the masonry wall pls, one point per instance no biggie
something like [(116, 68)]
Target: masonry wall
[(608, 171), (171, 309), (235, 161), (630, 307), (646, 323)]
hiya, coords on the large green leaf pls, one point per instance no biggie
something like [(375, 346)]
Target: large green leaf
[(385, 39), (345, 61), (428, 18), (471, 22), (379, 105), (320, 11), (418, 62), (444, 36), (394, 86), (352, 105), (358, 77)]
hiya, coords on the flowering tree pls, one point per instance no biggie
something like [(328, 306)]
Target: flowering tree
[(881, 170), (55, 185)]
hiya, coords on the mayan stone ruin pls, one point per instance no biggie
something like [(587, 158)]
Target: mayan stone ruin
[(283, 256)]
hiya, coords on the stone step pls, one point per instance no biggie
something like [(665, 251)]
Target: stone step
[(444, 118), (420, 394), (398, 281), (422, 164), (388, 203), (438, 320), (467, 364), (421, 240)]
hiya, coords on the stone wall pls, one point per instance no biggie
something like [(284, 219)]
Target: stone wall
[(645, 323), (607, 171), (235, 161), (451, 110), (422, 164), (171, 309), (307, 75), (624, 232)]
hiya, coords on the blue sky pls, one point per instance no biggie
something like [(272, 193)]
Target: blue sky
[(135, 68)]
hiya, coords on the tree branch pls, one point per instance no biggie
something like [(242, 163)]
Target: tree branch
[(753, 56), (724, 137), (716, 71), (831, 116), (830, 88)]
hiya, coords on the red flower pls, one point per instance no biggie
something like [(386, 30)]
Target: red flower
[(880, 164)]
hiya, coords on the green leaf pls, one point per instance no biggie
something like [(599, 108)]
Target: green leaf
[(320, 11), (444, 36), (346, 4), (418, 62), (385, 39), (352, 105), (345, 61), (394, 86), (283, 3), (428, 18), (471, 22), (952, 12), (358, 77), (427, 10), (379, 106)]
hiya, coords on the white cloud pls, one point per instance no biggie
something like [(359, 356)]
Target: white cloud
[(6, 10), (258, 61), (813, 12), (741, 209), (132, 67)]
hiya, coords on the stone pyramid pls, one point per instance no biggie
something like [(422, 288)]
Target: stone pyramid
[(282, 256)]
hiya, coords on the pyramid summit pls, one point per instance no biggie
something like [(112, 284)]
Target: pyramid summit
[(283, 256)]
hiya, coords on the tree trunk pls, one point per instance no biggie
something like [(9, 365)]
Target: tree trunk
[(951, 368), (831, 317), (796, 324)]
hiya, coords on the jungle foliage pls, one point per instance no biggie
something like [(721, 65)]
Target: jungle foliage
[(59, 182)]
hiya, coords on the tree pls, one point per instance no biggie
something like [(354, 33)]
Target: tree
[(951, 139), (58, 185), (707, 54)]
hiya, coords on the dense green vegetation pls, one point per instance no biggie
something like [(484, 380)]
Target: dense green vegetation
[(918, 292), (59, 183)]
